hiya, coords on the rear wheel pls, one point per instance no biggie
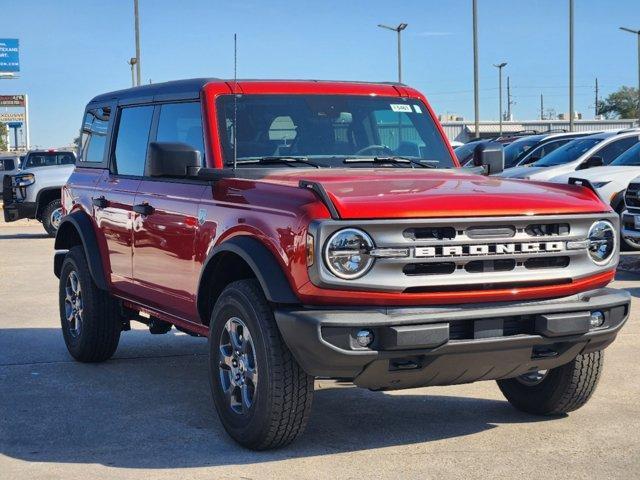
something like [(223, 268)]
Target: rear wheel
[(51, 217), (89, 317), (261, 394), (558, 390)]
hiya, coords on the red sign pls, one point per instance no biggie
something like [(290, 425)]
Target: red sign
[(11, 100)]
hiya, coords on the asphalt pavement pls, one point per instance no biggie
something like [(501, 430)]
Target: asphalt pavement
[(148, 414)]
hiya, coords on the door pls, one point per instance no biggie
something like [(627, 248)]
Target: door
[(164, 267), (114, 196)]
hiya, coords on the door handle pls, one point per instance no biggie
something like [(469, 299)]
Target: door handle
[(100, 202), (143, 209)]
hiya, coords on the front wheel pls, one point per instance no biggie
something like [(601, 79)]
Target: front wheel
[(261, 394), (51, 217), (558, 390)]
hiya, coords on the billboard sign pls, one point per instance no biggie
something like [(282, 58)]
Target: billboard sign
[(9, 55), (12, 101), (11, 117), (14, 124)]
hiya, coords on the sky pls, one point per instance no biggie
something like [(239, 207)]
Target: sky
[(72, 50)]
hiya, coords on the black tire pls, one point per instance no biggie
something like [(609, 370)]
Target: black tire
[(282, 396), (47, 214), (625, 245), (562, 390), (97, 337)]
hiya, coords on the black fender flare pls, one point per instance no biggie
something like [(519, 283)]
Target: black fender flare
[(79, 225), (39, 207), (618, 199), (264, 265)]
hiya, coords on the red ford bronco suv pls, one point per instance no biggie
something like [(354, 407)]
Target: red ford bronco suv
[(324, 229)]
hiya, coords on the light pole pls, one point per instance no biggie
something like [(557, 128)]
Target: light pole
[(571, 66), (137, 29), (500, 66), (132, 61), (637, 33), (476, 98), (398, 30)]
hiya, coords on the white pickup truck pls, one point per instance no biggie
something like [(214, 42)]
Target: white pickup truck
[(34, 192)]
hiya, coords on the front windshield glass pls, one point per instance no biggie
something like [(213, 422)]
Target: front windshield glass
[(568, 152), (518, 149), (465, 152), (630, 158), (330, 131)]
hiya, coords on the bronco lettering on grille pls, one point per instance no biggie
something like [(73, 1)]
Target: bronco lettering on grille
[(488, 249)]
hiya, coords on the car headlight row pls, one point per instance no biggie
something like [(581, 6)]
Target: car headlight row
[(347, 253), (24, 180)]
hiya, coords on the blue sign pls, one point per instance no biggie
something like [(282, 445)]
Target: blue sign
[(9, 56), (14, 124)]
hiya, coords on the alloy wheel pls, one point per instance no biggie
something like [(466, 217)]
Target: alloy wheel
[(73, 305)]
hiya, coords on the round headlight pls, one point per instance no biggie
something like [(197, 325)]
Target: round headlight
[(602, 242), (346, 253)]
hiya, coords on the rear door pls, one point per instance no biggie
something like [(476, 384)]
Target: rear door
[(115, 192), (164, 266)]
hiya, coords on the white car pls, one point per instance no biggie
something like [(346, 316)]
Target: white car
[(611, 181), (577, 155)]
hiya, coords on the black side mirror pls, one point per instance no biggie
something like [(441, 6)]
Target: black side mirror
[(172, 160), (591, 162), (489, 156)]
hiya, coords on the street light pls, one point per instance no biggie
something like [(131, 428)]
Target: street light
[(476, 94), (500, 66), (132, 61), (637, 33), (571, 107), (137, 31), (397, 29)]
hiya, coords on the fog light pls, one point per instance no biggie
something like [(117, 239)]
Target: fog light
[(597, 319), (364, 338)]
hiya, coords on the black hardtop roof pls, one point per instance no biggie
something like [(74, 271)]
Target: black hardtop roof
[(189, 89)]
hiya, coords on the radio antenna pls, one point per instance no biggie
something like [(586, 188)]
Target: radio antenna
[(235, 101)]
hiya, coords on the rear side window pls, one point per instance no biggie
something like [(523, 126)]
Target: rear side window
[(7, 164), (132, 139), (94, 135), (48, 159), (181, 123)]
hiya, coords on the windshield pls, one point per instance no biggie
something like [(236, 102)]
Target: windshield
[(48, 159), (465, 152), (568, 152), (518, 149), (630, 158), (327, 130)]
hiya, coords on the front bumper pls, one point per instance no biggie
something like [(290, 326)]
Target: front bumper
[(17, 210), (628, 226), (420, 346)]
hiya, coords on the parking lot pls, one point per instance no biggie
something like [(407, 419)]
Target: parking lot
[(147, 413)]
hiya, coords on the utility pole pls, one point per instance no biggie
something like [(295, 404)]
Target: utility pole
[(500, 66), (509, 101), (398, 29), (137, 30), (541, 107), (476, 99), (571, 66), (637, 32), (597, 99)]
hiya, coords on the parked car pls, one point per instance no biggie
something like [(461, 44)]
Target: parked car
[(34, 192), (631, 216), (546, 144), (611, 181), (291, 226), (579, 154), (9, 165)]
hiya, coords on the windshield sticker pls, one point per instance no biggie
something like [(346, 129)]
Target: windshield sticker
[(417, 109), (398, 107)]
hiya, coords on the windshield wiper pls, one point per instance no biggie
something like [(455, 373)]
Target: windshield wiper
[(279, 159), (392, 159)]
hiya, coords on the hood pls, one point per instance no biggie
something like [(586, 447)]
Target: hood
[(409, 193), (602, 174), (519, 172)]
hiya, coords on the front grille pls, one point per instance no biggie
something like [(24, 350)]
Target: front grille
[(462, 254), (632, 198), (7, 189)]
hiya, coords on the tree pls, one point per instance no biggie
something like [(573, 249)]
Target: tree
[(3, 137), (620, 104)]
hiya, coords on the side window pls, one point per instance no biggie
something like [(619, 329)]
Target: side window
[(182, 123), (6, 164), (132, 139), (610, 152), (94, 135), (547, 148)]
